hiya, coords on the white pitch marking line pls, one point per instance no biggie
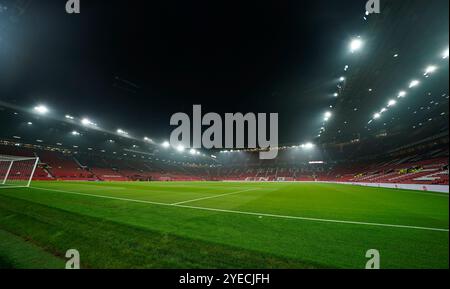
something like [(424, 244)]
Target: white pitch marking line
[(252, 213), (103, 197), (212, 197), (314, 219)]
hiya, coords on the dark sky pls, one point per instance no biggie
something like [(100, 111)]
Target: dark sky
[(228, 56)]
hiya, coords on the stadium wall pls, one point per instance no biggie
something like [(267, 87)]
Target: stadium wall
[(415, 187)]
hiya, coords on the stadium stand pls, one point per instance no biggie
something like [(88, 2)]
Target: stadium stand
[(61, 166), (414, 168)]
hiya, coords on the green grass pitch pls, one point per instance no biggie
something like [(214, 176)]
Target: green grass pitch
[(221, 225)]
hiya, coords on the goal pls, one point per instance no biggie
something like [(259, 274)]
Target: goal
[(17, 171)]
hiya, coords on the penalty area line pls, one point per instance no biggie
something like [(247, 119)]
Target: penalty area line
[(250, 213)]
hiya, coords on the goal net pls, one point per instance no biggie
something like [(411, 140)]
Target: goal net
[(17, 171)]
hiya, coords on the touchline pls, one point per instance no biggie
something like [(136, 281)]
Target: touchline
[(207, 131)]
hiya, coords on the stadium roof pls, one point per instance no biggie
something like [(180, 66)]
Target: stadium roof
[(368, 101), (123, 87)]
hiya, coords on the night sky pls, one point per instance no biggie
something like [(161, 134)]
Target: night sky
[(132, 64)]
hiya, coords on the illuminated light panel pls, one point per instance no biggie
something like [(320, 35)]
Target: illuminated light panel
[(414, 83), (402, 94), (392, 102), (41, 109), (430, 69), (120, 131), (355, 45), (445, 54)]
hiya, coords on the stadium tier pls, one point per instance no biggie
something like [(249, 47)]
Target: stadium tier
[(410, 169)]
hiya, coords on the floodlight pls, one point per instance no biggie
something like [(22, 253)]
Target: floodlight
[(193, 152), (120, 131), (180, 148), (328, 114), (392, 102), (376, 115), (341, 79), (445, 54), (29, 123), (402, 94), (41, 109), (75, 133), (355, 45), (336, 94), (307, 145), (414, 83), (165, 144), (430, 69), (86, 121), (383, 110), (69, 117)]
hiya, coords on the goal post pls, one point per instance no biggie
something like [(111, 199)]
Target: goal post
[(17, 171)]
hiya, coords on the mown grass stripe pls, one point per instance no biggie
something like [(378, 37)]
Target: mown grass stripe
[(252, 213)]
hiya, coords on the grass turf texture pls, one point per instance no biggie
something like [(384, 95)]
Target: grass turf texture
[(221, 225)]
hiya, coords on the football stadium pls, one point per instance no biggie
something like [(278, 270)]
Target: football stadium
[(91, 176)]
